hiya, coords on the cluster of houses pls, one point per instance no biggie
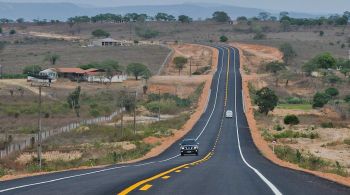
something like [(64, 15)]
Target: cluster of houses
[(109, 42), (77, 74)]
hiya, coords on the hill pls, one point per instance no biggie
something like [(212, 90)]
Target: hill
[(62, 11)]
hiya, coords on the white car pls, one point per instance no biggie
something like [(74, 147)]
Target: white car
[(229, 114)]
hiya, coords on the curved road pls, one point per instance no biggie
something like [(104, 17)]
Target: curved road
[(229, 162)]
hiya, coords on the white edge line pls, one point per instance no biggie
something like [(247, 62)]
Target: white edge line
[(125, 166), (272, 187), (207, 103)]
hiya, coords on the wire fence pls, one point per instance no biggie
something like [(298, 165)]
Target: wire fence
[(31, 140)]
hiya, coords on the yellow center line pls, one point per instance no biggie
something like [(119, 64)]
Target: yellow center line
[(146, 187), (177, 171), (166, 177)]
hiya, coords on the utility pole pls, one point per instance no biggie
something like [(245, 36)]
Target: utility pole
[(39, 135), (159, 104), (135, 112), (40, 84), (0, 71), (191, 66)]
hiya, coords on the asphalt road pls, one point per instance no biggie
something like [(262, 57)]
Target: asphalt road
[(229, 162)]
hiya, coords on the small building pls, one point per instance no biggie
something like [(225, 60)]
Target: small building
[(51, 73), (109, 42), (71, 73)]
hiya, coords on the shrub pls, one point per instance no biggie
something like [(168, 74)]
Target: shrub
[(327, 125), (320, 99), (223, 38), (321, 33), (278, 127), (332, 92), (291, 120)]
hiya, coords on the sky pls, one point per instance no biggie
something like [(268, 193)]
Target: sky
[(307, 6)]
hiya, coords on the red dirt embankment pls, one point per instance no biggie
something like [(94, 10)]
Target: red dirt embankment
[(259, 141)]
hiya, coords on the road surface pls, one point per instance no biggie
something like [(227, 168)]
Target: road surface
[(229, 162)]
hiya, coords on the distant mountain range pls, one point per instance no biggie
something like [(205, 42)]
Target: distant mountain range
[(62, 11)]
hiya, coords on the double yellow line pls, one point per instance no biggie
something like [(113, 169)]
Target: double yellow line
[(207, 157)]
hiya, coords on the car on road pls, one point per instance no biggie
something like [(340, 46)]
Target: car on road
[(189, 146), (229, 114)]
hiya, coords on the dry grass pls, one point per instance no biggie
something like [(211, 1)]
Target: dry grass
[(50, 156)]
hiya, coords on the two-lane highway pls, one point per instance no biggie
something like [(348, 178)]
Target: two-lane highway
[(229, 162)]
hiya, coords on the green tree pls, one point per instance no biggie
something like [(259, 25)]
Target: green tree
[(1, 31), (32, 69), (73, 100), (291, 120), (137, 69), (180, 63), (52, 58), (223, 38), (220, 16), (266, 100), (325, 61), (332, 91), (264, 15), (288, 52), (184, 19), (320, 99), (100, 33)]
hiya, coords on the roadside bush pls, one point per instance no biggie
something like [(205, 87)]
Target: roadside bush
[(327, 125), (291, 120), (332, 92)]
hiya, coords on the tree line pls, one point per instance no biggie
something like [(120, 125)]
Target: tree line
[(218, 16)]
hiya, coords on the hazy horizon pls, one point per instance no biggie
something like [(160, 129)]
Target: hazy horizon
[(323, 6)]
